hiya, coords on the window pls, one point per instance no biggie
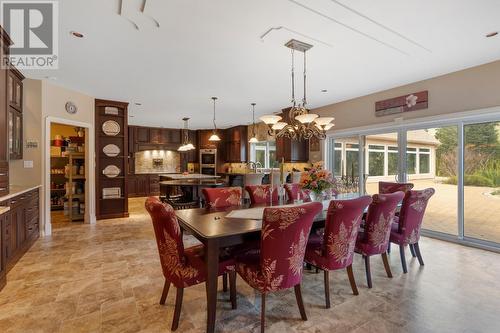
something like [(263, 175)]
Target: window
[(376, 156), (424, 163), (264, 152), (392, 163), (411, 161)]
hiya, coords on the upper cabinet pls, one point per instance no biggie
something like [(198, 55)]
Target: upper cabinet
[(15, 113), (146, 138), (204, 135), (292, 150), (236, 144)]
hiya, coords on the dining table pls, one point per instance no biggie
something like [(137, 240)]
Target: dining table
[(219, 228)]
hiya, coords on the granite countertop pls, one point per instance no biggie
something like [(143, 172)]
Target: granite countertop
[(15, 190), (4, 210), (175, 176)]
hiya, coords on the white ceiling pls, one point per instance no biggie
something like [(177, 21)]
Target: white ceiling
[(213, 48)]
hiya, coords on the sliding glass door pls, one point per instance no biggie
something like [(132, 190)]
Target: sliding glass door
[(381, 159), (481, 151), (432, 161)]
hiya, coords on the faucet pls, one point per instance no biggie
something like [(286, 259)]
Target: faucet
[(252, 165)]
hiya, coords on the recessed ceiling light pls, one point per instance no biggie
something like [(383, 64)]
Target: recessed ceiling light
[(51, 78), (76, 34), (492, 34), (138, 104), (324, 90)]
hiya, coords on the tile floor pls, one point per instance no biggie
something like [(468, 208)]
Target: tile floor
[(107, 278)]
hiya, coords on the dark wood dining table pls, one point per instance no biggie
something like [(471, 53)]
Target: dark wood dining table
[(216, 230)]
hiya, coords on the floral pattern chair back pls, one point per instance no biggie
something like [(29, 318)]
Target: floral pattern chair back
[(169, 240), (341, 230), (284, 236), (377, 230), (222, 197), (260, 194), (293, 190), (389, 187), (412, 214)]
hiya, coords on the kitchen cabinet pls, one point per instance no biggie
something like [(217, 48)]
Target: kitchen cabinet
[(15, 113), (5, 43), (204, 135), (142, 135), (19, 228), (144, 185), (292, 150), (236, 144), (149, 137)]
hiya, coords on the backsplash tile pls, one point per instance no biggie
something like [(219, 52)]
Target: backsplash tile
[(157, 161)]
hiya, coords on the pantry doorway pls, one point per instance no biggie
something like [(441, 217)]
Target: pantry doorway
[(68, 172)]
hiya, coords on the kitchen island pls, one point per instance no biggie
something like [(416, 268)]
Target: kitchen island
[(187, 190)]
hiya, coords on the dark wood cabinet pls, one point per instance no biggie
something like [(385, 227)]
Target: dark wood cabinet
[(15, 113), (5, 43), (204, 135), (144, 185), (236, 144), (292, 150), (19, 228), (142, 135)]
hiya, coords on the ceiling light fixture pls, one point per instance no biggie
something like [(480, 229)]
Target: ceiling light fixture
[(253, 139), (76, 34), (186, 145), (214, 136), (324, 90), (492, 34), (298, 123)]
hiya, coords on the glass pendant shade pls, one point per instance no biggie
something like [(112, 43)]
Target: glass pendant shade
[(189, 146), (279, 126), (306, 118), (253, 140), (214, 137), (324, 120), (325, 127), (270, 119)]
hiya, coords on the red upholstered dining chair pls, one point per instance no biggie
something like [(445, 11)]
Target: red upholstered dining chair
[(183, 267), (374, 239), (406, 229), (293, 190), (222, 197), (260, 194), (279, 263), (389, 187), (335, 249)]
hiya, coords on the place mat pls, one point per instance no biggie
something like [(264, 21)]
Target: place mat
[(257, 212)]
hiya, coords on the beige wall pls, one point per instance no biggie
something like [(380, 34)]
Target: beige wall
[(32, 131), (44, 99), (470, 89)]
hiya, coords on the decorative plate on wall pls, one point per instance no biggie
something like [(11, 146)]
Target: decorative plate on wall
[(111, 150), (111, 171), (111, 127)]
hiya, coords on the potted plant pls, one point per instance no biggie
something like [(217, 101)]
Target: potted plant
[(317, 182)]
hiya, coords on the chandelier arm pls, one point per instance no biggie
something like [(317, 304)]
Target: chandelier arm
[(304, 101)]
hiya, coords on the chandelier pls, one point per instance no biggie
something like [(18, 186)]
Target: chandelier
[(186, 145), (297, 123)]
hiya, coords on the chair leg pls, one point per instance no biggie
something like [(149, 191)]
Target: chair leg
[(386, 265), (412, 250), (389, 248), (232, 289), (403, 259), (327, 288), (263, 313), (224, 282), (177, 311), (317, 270), (164, 294), (368, 271), (300, 302), (350, 274), (419, 255)]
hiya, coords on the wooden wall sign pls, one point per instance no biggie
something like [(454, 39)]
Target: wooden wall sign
[(406, 103)]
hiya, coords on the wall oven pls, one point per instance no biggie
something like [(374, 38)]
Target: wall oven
[(208, 161)]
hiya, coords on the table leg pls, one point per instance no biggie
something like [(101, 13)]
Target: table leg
[(212, 264)]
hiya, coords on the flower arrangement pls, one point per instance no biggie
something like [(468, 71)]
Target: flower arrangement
[(317, 180)]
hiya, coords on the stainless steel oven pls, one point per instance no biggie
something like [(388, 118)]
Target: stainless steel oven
[(208, 161)]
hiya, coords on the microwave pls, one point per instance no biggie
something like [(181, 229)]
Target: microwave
[(208, 157)]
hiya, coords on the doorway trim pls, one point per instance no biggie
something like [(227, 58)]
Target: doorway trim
[(90, 216)]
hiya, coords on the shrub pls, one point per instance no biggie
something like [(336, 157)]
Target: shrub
[(492, 172), (471, 180)]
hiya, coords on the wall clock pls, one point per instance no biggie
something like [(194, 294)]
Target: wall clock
[(71, 108)]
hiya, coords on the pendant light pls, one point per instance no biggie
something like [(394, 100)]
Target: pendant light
[(214, 136), (186, 145), (253, 139)]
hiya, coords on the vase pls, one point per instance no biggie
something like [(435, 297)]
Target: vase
[(316, 197)]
